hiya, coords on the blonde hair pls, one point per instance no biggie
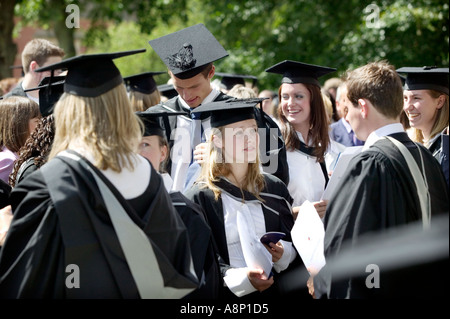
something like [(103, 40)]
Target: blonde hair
[(105, 125), (439, 124), (141, 102), (215, 167)]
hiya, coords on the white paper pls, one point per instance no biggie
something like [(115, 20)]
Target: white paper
[(308, 235), (339, 170)]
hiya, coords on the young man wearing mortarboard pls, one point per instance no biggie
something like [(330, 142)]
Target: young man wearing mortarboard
[(392, 182), (95, 217), (189, 55)]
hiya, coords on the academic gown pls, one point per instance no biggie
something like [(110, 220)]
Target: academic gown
[(273, 151), (377, 192), (202, 247), (440, 149), (276, 198), (60, 220)]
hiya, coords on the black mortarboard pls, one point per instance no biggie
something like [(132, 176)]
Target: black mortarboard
[(426, 78), (229, 111), (167, 90), (143, 83), (298, 72), (50, 90), (230, 80), (152, 122), (187, 52), (91, 75)]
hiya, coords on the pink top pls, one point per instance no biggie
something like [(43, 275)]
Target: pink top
[(7, 159)]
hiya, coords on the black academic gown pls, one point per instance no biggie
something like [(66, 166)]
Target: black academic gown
[(273, 151), (214, 212), (60, 219), (377, 192), (440, 150), (202, 247), (5, 190)]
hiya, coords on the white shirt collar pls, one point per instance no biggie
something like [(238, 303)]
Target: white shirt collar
[(211, 96), (346, 125), (168, 182), (382, 131)]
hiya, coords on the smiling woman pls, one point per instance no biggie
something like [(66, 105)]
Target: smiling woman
[(242, 203), (304, 124)]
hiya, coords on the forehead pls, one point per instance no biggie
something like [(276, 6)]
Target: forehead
[(186, 83), (293, 87), (250, 123)]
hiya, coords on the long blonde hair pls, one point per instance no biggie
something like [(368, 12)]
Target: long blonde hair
[(215, 167), (105, 125), (141, 102)]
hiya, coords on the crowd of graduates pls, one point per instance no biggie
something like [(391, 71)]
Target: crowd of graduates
[(165, 191)]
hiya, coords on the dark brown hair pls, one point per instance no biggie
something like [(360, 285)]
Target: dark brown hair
[(37, 146), (15, 113)]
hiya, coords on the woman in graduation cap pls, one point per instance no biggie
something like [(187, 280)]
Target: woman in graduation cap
[(242, 203), (155, 148), (95, 221), (304, 124), (426, 106), (142, 90)]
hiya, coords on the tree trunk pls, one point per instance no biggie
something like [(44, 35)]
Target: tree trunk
[(63, 33), (8, 48)]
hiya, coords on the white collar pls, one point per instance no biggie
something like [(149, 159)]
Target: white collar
[(346, 125), (168, 181), (382, 131), (211, 96)]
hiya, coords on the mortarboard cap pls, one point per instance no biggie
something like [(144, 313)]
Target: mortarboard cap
[(298, 72), (187, 52), (167, 90), (91, 75), (229, 111), (230, 80), (426, 78), (143, 83), (50, 90), (152, 122)]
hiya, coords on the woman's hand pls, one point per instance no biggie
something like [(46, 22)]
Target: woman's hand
[(5, 221), (200, 153), (321, 207), (259, 280), (276, 250)]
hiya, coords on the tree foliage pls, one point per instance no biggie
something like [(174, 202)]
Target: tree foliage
[(257, 34)]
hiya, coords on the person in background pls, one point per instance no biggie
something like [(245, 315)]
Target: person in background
[(230, 80), (242, 203), (36, 54), (378, 189), (18, 118), (142, 90), (242, 92), (341, 131), (304, 123), (426, 107), (95, 194), (270, 105)]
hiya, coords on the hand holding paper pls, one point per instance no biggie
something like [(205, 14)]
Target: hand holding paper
[(308, 236)]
